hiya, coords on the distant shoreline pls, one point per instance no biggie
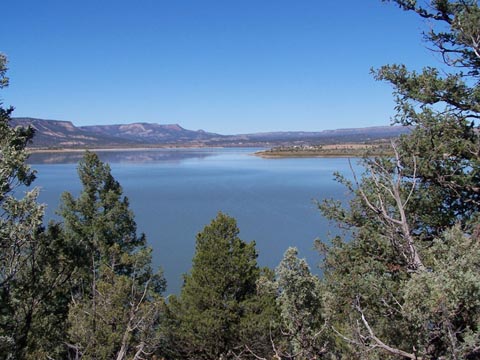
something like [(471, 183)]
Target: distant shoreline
[(305, 155), (340, 150)]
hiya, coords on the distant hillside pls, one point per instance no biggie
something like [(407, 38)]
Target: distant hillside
[(63, 134), (151, 133), (331, 136)]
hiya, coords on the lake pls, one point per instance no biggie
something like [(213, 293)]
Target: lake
[(176, 192)]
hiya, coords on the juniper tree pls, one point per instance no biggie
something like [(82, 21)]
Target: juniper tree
[(444, 106), (300, 301), (405, 282)]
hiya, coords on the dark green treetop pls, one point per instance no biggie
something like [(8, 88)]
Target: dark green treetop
[(100, 218), (213, 316)]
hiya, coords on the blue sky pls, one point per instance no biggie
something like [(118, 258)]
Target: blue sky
[(223, 66)]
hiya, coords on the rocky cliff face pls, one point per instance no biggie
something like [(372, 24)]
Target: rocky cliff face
[(63, 134)]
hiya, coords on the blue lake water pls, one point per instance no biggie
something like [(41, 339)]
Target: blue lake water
[(175, 193)]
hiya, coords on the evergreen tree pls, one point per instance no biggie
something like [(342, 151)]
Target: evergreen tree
[(209, 319), (444, 106), (120, 320), (116, 294), (301, 304), (35, 263), (100, 219), (405, 281)]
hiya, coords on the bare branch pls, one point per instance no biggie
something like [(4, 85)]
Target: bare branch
[(389, 187), (253, 354), (380, 343), (348, 340)]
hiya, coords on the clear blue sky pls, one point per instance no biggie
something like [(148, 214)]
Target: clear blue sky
[(226, 66)]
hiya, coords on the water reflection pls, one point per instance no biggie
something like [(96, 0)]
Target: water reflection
[(125, 156)]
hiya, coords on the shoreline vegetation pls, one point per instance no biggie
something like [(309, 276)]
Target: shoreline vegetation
[(330, 150)]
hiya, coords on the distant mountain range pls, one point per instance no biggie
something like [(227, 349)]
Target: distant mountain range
[(58, 134)]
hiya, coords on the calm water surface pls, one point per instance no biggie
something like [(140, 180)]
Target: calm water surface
[(175, 193)]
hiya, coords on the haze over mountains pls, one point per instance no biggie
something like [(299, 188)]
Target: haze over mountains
[(60, 134)]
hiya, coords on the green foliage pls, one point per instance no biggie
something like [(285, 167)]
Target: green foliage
[(403, 282), (87, 284), (35, 263), (218, 304), (301, 304), (447, 315), (116, 294), (121, 322), (444, 105), (100, 219), (260, 323), (3, 71)]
